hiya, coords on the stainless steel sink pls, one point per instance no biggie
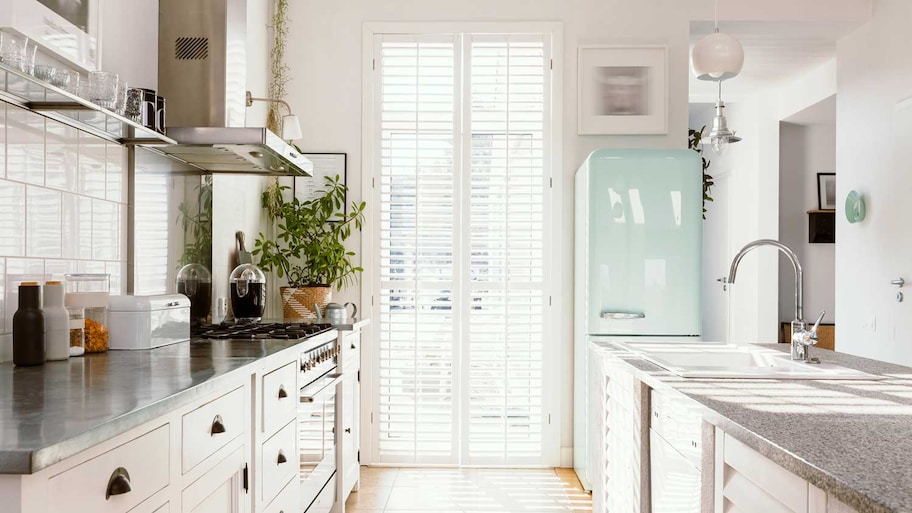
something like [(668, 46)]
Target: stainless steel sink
[(712, 360)]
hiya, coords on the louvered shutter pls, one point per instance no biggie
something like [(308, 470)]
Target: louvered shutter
[(507, 205), (417, 184), (463, 196)]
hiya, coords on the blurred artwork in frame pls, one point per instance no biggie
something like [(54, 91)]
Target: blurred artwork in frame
[(622, 90)]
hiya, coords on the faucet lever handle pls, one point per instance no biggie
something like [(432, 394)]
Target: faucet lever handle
[(817, 324)]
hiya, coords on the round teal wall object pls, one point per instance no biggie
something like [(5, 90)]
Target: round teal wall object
[(855, 207)]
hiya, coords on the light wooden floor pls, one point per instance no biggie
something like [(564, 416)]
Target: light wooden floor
[(436, 490)]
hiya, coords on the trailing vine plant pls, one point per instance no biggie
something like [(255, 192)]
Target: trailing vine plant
[(280, 70), (695, 143)]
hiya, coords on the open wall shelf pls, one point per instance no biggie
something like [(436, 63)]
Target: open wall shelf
[(28, 92)]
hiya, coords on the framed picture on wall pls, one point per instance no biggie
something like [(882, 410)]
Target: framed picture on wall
[(622, 90), (325, 164), (826, 191)]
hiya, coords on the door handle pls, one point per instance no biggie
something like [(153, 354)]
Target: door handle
[(623, 315)]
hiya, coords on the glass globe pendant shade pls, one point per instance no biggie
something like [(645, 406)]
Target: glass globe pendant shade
[(719, 144), (717, 57)]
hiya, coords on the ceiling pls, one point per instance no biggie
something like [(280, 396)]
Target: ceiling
[(774, 53)]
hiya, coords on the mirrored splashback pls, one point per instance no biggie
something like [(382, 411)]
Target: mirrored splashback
[(171, 222)]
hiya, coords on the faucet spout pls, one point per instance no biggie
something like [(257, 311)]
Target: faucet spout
[(792, 257)]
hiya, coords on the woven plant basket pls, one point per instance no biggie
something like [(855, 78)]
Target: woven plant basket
[(298, 302)]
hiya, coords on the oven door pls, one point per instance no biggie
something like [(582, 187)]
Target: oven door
[(316, 435)]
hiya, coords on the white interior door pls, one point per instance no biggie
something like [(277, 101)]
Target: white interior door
[(716, 260)]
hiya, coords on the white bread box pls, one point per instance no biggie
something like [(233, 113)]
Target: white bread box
[(144, 322)]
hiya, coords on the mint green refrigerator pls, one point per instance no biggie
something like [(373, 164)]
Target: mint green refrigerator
[(637, 271)]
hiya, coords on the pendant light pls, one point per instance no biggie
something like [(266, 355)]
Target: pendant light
[(717, 56), (720, 136)]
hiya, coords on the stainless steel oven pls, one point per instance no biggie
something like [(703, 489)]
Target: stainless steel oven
[(317, 420)]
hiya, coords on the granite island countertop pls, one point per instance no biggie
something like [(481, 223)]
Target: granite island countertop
[(53, 411), (851, 438)]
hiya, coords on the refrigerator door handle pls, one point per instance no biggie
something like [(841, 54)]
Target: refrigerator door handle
[(623, 315)]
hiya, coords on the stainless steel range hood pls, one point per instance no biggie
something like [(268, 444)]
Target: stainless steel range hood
[(202, 73)]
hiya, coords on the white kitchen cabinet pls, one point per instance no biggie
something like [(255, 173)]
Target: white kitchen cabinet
[(618, 449), (351, 413), (675, 481), (748, 482), (220, 490)]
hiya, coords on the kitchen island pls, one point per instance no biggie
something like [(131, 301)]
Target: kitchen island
[(849, 440)]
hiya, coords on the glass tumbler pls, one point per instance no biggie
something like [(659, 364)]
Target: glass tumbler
[(68, 81), (120, 103), (45, 72), (102, 88), (12, 50)]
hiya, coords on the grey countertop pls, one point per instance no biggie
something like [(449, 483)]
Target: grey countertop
[(51, 412), (850, 438)]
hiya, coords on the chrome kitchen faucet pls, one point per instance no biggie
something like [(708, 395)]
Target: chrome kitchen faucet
[(802, 338)]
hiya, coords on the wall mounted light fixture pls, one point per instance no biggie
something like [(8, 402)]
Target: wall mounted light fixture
[(291, 126)]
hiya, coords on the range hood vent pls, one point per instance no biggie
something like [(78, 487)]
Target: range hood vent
[(202, 69)]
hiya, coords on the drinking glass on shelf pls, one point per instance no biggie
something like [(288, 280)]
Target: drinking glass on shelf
[(102, 88), (120, 103), (133, 106), (12, 50), (28, 63), (45, 72), (68, 81)]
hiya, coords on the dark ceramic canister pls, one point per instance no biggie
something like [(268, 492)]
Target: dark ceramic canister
[(28, 327), (148, 110), (160, 114)]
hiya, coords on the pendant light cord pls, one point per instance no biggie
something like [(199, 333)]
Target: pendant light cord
[(716, 15)]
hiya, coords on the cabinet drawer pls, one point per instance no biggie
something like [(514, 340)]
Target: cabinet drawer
[(287, 500), (279, 397), (680, 422), (351, 349), (278, 461), (152, 506), (85, 487), (325, 501), (210, 427)]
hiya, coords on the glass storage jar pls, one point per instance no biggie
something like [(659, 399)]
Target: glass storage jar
[(195, 282), (247, 284), (92, 292), (77, 330)]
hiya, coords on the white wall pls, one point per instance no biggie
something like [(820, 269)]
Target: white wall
[(805, 151), (325, 57), (875, 73)]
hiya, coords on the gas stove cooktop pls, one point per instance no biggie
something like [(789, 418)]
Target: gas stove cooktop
[(255, 331)]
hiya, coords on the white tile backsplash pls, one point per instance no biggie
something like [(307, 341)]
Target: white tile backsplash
[(92, 157), (62, 156), (62, 207), (24, 146), (42, 224), (12, 218)]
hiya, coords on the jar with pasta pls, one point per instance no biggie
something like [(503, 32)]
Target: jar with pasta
[(92, 293)]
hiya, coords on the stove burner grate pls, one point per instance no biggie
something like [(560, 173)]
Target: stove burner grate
[(256, 331)]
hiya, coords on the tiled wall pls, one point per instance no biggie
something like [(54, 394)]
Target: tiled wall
[(63, 206)]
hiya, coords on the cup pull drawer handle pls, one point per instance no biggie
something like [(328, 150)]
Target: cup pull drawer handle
[(119, 483), (281, 459), (218, 426), (348, 430), (282, 393)]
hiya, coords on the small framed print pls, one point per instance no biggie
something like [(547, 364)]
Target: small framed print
[(622, 90), (826, 191), (324, 164)]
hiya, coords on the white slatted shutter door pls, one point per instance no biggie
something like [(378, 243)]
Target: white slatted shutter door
[(507, 281), (418, 157)]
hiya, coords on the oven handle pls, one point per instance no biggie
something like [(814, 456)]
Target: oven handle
[(310, 393)]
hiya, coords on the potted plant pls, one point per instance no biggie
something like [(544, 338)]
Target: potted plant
[(309, 247)]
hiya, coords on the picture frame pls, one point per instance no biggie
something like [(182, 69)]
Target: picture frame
[(622, 90), (306, 188), (826, 191)]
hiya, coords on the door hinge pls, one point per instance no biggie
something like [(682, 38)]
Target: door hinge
[(552, 63), (549, 418), (373, 64), (372, 417), (551, 182), (373, 183), (549, 301), (246, 478), (359, 376), (372, 300), (359, 456)]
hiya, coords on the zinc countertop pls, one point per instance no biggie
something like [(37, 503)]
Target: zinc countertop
[(56, 410), (852, 438)]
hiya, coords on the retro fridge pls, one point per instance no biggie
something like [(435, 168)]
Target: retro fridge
[(638, 244)]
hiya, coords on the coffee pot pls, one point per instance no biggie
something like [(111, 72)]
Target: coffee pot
[(334, 313)]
